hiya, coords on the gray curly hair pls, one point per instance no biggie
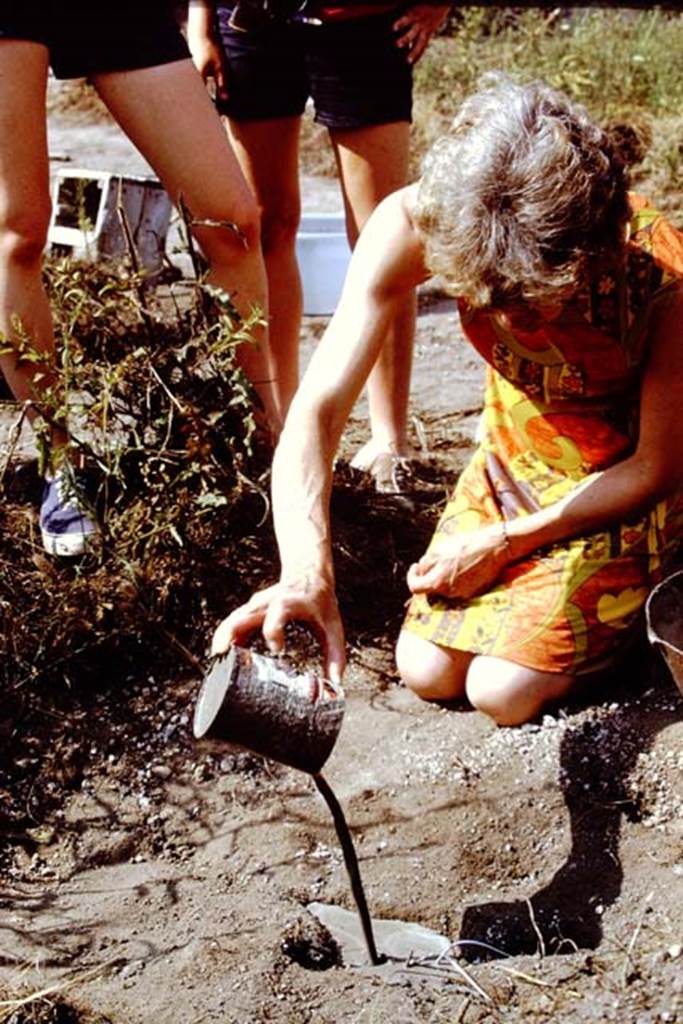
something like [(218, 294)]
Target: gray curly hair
[(521, 193)]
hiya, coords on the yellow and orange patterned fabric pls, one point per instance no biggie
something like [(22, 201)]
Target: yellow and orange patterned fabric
[(561, 403)]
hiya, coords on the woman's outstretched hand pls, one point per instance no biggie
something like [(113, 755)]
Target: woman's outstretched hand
[(462, 566), (416, 26), (307, 599), (208, 58)]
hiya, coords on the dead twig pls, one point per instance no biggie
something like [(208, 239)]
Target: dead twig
[(186, 218), (169, 394), (8, 1007), (537, 930), (182, 649), (421, 435), (13, 439), (634, 938), (209, 222), (462, 1010), (470, 980), (522, 976), (189, 657), (147, 318), (458, 969)]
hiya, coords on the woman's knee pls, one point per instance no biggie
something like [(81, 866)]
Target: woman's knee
[(512, 694), (231, 233), (279, 228), (430, 671), (23, 233)]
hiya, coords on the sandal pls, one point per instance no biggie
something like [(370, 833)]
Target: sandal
[(392, 474)]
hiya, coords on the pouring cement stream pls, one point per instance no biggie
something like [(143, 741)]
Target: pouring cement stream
[(293, 718), (255, 702), (413, 952), (352, 868)]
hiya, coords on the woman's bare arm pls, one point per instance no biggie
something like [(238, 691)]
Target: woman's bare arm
[(207, 53), (652, 472), (387, 263), (471, 562)]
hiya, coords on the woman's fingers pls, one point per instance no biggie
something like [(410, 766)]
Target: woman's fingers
[(334, 648), (236, 629), (323, 620), (271, 609), (424, 576), (221, 82), (279, 613), (242, 622), (416, 27), (407, 39)]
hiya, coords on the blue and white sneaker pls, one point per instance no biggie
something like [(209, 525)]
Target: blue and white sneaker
[(66, 526)]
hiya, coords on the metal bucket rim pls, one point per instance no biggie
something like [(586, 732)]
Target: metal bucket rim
[(652, 634)]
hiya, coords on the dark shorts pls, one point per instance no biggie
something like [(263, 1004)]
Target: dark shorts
[(353, 71), (85, 37)]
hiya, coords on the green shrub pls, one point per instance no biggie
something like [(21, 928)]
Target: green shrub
[(164, 421)]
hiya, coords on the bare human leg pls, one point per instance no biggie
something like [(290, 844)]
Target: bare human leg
[(24, 216), (432, 672), (508, 693), (66, 525), (373, 162), (167, 113), (512, 694), (268, 153)]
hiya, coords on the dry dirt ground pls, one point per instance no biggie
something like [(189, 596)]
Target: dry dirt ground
[(170, 884)]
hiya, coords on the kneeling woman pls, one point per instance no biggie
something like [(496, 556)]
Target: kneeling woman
[(572, 291)]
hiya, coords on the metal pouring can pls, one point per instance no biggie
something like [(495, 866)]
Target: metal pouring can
[(664, 618), (253, 701)]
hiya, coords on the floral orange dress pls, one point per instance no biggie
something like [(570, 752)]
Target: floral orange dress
[(561, 404)]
